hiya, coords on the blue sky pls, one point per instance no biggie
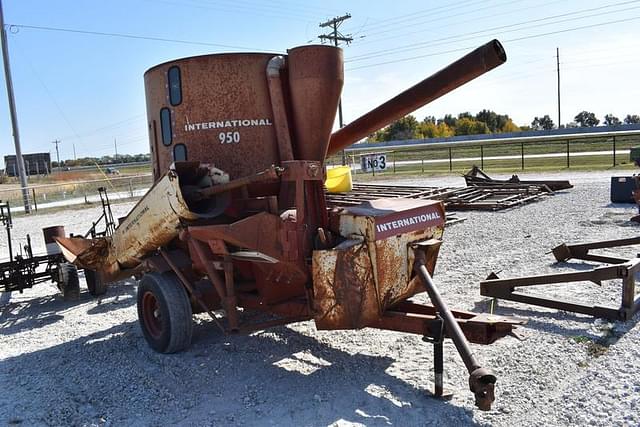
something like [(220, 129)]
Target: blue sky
[(87, 90)]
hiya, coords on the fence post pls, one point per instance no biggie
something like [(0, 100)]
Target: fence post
[(522, 154), (614, 151), (35, 202), (394, 161), (568, 163), (482, 157), (130, 188), (450, 161), (423, 165)]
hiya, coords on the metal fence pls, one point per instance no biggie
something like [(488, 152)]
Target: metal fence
[(70, 193), (599, 152)]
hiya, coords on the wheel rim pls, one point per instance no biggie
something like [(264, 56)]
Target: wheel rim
[(151, 315)]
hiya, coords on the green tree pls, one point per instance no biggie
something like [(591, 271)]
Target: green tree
[(542, 123), (404, 128), (509, 126), (611, 120), (377, 136), (494, 121), (586, 119), (470, 126), (632, 119), (432, 130), (448, 120)]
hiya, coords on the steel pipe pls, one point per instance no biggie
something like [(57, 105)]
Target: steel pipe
[(465, 69), (481, 380), (280, 120)]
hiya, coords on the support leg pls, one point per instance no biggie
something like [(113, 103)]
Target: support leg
[(438, 364), (438, 368)]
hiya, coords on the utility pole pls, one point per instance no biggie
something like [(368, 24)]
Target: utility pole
[(335, 36), (12, 112), (74, 151), (115, 144), (558, 69), (57, 152)]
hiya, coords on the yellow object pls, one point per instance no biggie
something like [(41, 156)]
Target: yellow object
[(339, 179)]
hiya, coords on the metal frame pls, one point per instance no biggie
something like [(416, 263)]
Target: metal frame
[(21, 270), (477, 178), (106, 216), (621, 268), (498, 197)]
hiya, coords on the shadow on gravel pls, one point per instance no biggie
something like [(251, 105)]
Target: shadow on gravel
[(582, 326), (35, 313), (22, 315), (276, 377), (576, 265), (119, 295), (620, 205)]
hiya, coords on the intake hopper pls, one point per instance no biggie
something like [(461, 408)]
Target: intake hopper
[(316, 77)]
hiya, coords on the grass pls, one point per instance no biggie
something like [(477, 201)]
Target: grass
[(598, 346), (507, 149), (75, 175), (72, 189), (587, 163), (79, 206)]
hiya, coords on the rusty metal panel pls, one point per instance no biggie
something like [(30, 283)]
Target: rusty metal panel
[(153, 222), (379, 219), (224, 117), (355, 282), (344, 287)]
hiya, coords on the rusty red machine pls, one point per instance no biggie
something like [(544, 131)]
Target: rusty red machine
[(237, 219)]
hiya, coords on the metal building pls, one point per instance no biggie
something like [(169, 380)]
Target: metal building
[(34, 164)]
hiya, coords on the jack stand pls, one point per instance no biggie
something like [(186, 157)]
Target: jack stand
[(438, 364)]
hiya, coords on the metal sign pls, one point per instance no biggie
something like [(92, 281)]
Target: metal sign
[(373, 162)]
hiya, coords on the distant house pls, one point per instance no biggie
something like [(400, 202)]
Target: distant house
[(34, 164)]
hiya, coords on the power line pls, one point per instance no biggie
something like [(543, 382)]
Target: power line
[(50, 95), (558, 69), (130, 36), (336, 37), (57, 142), (475, 19), (440, 18), (532, 36), (12, 112), (108, 127), (492, 30), (421, 13), (234, 7)]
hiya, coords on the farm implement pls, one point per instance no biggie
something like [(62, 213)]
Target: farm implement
[(237, 220)]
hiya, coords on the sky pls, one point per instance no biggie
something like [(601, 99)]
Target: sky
[(87, 90)]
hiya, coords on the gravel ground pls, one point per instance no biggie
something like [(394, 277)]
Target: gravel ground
[(86, 363)]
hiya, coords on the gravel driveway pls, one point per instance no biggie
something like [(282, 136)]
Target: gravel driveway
[(86, 362)]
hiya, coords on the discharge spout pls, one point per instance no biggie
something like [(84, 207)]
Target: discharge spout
[(465, 69)]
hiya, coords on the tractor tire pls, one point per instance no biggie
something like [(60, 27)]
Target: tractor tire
[(164, 312), (95, 284), (68, 282)]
